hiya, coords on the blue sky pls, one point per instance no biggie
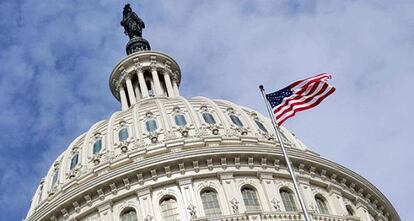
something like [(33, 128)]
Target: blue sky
[(56, 57)]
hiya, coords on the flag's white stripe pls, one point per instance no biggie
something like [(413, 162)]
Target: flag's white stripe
[(323, 77), (288, 104), (295, 107), (309, 103), (288, 100)]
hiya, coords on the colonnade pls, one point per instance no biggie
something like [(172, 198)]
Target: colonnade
[(143, 83)]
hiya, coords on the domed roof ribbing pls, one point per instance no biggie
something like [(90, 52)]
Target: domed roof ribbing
[(140, 141)]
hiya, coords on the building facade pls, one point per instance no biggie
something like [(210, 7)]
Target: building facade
[(166, 157)]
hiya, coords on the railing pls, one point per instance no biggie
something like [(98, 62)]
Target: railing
[(277, 216)]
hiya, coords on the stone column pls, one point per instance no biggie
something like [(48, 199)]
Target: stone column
[(145, 201), (187, 191), (336, 201), (175, 86), (137, 92), (124, 101), (157, 85), (167, 80), (105, 212), (131, 93), (142, 84)]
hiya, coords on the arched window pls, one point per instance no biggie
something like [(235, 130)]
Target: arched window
[(349, 210), (55, 178), (251, 201), (208, 118), (288, 200), (151, 125), (169, 209), (322, 207), (129, 214), (210, 203), (74, 161), (123, 134), (261, 126), (97, 146), (180, 120), (236, 120)]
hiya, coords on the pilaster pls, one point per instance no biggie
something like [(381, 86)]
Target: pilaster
[(270, 191), (336, 201), (362, 211), (145, 201), (105, 211), (233, 195), (308, 196), (187, 192)]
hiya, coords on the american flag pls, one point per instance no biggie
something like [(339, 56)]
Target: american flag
[(299, 96)]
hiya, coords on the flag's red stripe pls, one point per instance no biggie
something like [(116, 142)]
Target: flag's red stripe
[(317, 77), (306, 107), (307, 100), (298, 108), (287, 101)]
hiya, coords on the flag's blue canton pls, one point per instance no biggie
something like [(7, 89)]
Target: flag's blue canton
[(276, 98)]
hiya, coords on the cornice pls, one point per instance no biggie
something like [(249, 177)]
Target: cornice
[(91, 187)]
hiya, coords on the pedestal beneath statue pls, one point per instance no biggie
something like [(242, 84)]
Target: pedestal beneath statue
[(137, 44)]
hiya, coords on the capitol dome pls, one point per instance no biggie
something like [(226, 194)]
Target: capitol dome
[(166, 157)]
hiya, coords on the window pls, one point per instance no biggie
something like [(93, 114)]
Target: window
[(40, 193), (349, 210), (236, 120), (208, 118), (250, 199), (210, 203), (261, 126), (180, 120), (288, 200), (320, 201), (97, 146), (123, 134), (169, 209), (151, 125), (129, 215), (55, 178), (74, 161)]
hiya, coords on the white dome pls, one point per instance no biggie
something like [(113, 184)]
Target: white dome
[(142, 143), (199, 151)]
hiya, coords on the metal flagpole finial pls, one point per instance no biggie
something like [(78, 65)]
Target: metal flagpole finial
[(261, 87)]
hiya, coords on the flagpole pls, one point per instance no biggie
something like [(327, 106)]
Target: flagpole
[(292, 174)]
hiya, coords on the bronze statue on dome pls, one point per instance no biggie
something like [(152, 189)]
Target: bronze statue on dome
[(132, 24)]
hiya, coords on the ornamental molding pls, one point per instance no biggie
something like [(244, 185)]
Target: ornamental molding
[(111, 174)]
